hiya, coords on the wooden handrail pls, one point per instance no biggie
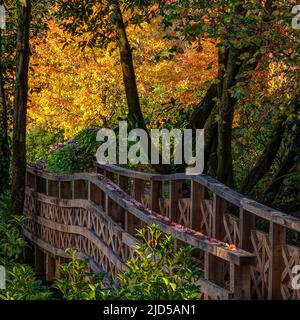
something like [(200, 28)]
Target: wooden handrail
[(217, 188), (238, 237), (95, 215)]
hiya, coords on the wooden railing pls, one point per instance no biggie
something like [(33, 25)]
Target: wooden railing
[(241, 245)]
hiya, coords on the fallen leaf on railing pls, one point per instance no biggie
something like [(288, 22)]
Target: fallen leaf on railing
[(232, 247), (199, 234)]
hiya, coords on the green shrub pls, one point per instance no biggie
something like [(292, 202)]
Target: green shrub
[(77, 155), (157, 272), (39, 141), (23, 285), (76, 282), (11, 240)]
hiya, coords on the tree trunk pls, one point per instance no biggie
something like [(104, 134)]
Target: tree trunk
[(20, 108), (4, 145), (204, 109), (266, 159), (287, 165), (225, 116), (129, 77)]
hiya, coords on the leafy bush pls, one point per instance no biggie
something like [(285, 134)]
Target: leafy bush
[(76, 282), (157, 272), (77, 155), (21, 281), (23, 285), (39, 141), (11, 240)]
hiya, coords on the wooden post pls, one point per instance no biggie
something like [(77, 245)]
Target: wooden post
[(79, 189), (47, 187), (53, 188), (247, 223), (174, 196), (109, 175), (240, 281), (123, 183), (95, 194), (118, 214), (197, 197), (66, 190), (277, 239), (138, 189), (50, 267), (100, 170), (155, 193), (214, 266), (89, 191), (219, 210), (31, 181), (39, 261), (72, 189), (41, 185), (29, 254), (132, 222), (59, 190), (57, 267)]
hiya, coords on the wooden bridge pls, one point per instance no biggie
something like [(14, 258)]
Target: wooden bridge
[(246, 250)]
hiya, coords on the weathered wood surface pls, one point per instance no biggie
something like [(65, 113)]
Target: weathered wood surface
[(239, 259)]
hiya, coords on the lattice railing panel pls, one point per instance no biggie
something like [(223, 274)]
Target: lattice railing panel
[(291, 258), (260, 272)]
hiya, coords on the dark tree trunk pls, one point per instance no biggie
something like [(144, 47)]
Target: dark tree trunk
[(20, 108), (266, 159), (204, 109), (4, 145), (288, 164), (129, 77), (225, 116)]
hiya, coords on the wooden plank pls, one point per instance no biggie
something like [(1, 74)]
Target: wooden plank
[(219, 189), (197, 197), (53, 188), (123, 183), (211, 184), (31, 180), (175, 188), (40, 243), (109, 175), (129, 240), (132, 223), (138, 189), (39, 260), (155, 193), (277, 239), (50, 267), (219, 210), (41, 184), (80, 191), (271, 215), (215, 265), (95, 194), (240, 281), (213, 291), (66, 190), (247, 223), (129, 204)]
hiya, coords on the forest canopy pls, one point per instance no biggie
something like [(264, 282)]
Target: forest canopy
[(231, 68)]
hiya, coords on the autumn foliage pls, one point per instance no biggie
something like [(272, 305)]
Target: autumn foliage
[(72, 89)]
